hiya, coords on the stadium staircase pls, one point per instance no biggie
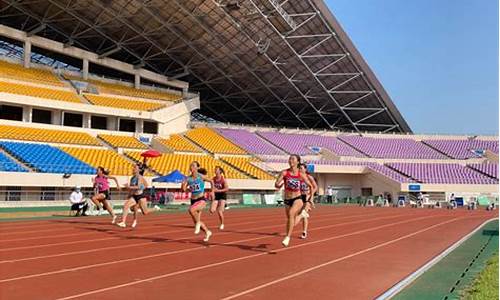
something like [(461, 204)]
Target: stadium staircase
[(402, 173), (437, 150), (352, 147), (481, 172), (238, 169), (17, 161), (265, 140)]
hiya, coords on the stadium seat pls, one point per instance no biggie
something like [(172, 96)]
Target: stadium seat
[(448, 173), (109, 159), (130, 104), (120, 141), (462, 149), (404, 148), (39, 92), (212, 141), (249, 141), (123, 90), (169, 162), (177, 142), (46, 135), (244, 164), (46, 159), (489, 169), (8, 165), (19, 72), (302, 144), (381, 169)]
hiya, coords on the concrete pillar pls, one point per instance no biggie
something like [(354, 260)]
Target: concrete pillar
[(86, 120), (112, 123), (27, 114), (27, 53), (85, 69), (137, 80), (57, 117), (139, 126)]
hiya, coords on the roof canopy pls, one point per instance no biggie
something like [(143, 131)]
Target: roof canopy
[(267, 62)]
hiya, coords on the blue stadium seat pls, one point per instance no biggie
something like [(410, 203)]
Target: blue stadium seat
[(46, 159), (8, 165)]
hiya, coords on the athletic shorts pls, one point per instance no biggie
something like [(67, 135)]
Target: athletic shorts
[(106, 194), (289, 202), (304, 198), (138, 198), (220, 196), (195, 201)]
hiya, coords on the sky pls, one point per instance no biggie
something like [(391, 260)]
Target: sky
[(437, 59)]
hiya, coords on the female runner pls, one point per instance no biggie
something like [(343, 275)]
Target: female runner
[(195, 183), (220, 191), (101, 191), (291, 179), (136, 198), (307, 198)]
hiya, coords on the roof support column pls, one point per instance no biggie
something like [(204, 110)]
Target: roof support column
[(27, 53), (137, 80), (85, 69)]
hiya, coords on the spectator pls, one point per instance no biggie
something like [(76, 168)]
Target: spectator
[(389, 198), (77, 202), (329, 193)]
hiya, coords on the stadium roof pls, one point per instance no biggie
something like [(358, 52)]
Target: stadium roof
[(268, 62)]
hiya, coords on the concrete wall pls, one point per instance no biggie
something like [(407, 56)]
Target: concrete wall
[(85, 181)]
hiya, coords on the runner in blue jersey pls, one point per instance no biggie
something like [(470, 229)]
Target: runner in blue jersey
[(195, 183)]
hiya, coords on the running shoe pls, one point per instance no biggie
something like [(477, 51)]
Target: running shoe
[(114, 220), (134, 223), (221, 227), (304, 214), (207, 236), (197, 228), (156, 208), (304, 235), (286, 241), (122, 225)]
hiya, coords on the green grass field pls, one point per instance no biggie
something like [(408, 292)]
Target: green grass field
[(485, 286)]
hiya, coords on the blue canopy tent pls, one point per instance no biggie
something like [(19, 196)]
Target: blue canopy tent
[(174, 177)]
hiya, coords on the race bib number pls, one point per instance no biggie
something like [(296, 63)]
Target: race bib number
[(195, 187), (293, 184)]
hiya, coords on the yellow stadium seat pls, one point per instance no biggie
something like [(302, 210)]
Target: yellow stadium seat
[(212, 141), (123, 90), (244, 164), (110, 160), (47, 135), (19, 72), (120, 141), (35, 91), (169, 162), (177, 142), (130, 104)]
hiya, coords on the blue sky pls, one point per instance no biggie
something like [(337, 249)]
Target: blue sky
[(437, 59)]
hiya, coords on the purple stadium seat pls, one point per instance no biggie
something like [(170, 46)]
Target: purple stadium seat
[(462, 149), (302, 143), (250, 141), (442, 173), (391, 147)]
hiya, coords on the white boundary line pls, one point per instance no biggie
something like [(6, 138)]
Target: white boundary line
[(393, 291)]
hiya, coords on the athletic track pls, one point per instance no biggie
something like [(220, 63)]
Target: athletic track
[(351, 253)]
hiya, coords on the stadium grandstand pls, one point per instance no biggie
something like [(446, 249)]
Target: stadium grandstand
[(80, 94), (237, 84)]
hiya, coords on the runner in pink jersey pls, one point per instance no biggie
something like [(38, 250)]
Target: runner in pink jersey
[(101, 191)]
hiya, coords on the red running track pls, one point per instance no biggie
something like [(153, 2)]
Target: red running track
[(351, 253)]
